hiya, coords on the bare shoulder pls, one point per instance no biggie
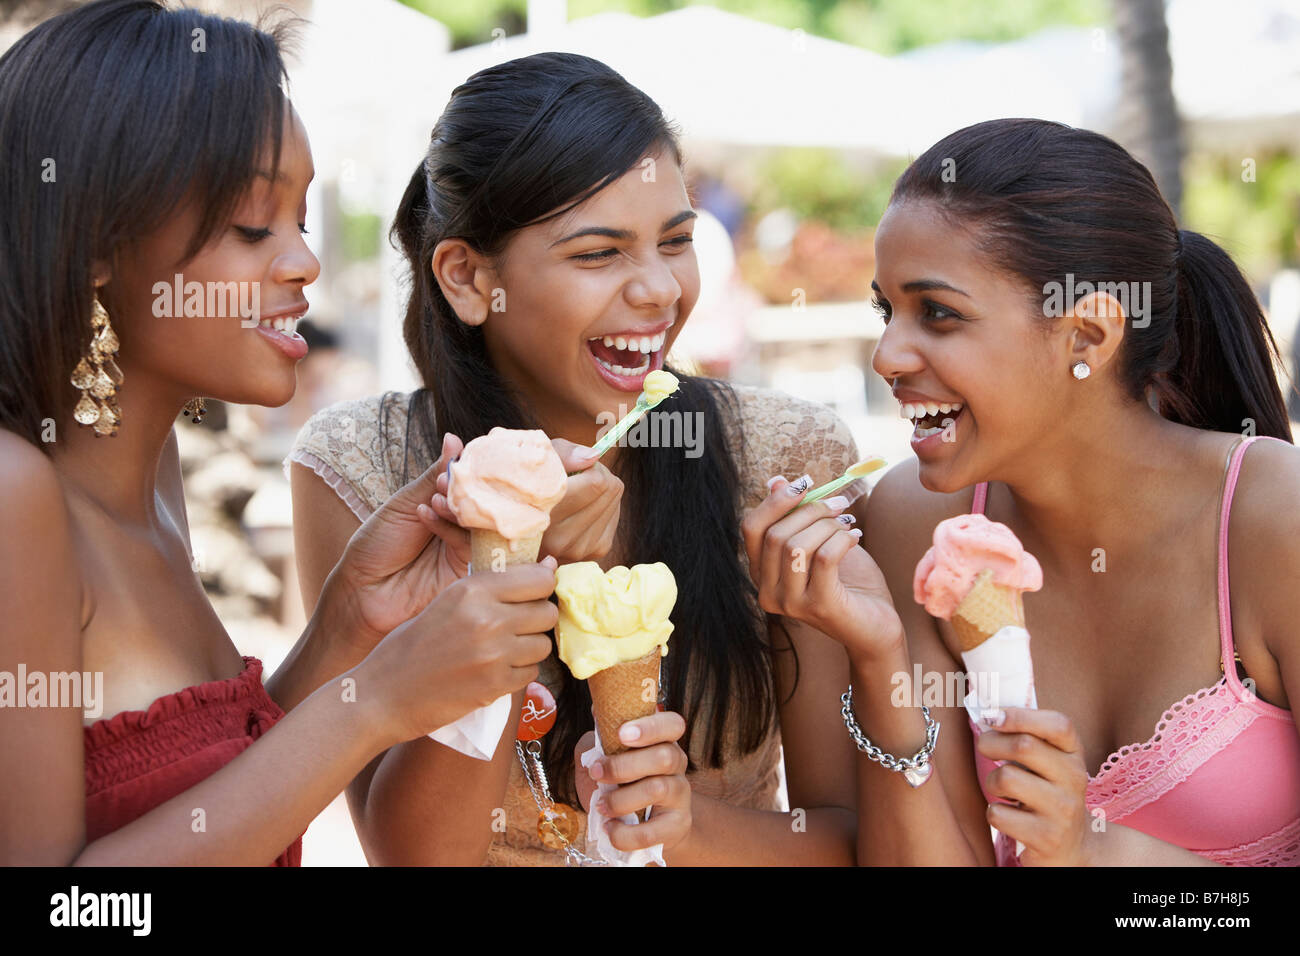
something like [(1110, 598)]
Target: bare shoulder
[(1264, 543), (33, 492), (1268, 488), (37, 556), (901, 512)]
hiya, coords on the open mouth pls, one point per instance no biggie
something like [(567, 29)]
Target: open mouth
[(931, 418), (624, 361)]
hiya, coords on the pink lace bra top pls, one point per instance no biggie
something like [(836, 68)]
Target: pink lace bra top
[(1221, 774)]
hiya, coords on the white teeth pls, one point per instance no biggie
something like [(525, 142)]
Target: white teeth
[(288, 326), (645, 344), (915, 410), (620, 370)]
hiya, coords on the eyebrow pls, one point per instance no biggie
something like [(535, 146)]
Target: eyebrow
[(924, 285), (624, 234)]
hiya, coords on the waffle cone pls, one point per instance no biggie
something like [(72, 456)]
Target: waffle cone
[(986, 610), (483, 544), (618, 694)]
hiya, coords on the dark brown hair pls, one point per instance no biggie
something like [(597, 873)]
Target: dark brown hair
[(1047, 200), (110, 116), (520, 143)]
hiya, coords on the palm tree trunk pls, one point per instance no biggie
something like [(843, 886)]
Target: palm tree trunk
[(1147, 122)]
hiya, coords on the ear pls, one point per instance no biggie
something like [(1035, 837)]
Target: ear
[(100, 273), (1098, 322), (466, 278)]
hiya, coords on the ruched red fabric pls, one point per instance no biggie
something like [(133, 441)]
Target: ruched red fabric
[(140, 759)]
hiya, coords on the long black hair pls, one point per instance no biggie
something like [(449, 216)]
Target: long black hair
[(1048, 200), (520, 143), (111, 115)]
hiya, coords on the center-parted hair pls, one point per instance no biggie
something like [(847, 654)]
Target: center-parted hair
[(111, 115), (518, 144), (1046, 200)]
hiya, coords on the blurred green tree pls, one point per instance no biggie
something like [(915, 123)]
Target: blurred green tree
[(886, 26)]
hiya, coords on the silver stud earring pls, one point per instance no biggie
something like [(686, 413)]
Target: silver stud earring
[(1081, 370)]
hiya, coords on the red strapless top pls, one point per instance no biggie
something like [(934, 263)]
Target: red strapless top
[(140, 759)]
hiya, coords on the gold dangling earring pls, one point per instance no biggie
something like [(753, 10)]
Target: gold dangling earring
[(195, 408), (98, 377)]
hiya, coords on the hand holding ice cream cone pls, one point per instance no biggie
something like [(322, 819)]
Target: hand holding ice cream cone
[(612, 631), (585, 521)]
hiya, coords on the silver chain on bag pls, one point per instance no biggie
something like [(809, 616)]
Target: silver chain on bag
[(530, 758)]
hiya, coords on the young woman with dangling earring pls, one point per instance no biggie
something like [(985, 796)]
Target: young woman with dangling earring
[(162, 745)]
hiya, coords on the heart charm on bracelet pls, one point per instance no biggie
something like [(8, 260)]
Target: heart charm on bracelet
[(919, 775)]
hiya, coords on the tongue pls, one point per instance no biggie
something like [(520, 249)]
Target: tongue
[(624, 357)]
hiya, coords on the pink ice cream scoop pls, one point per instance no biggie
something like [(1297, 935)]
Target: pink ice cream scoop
[(963, 547), (507, 481)]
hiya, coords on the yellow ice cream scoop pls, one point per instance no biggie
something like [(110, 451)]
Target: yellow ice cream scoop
[(656, 386), (612, 617)]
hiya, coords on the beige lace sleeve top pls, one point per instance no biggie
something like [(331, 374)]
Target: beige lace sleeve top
[(782, 435)]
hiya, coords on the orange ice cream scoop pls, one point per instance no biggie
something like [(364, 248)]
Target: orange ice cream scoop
[(963, 547), (507, 481)]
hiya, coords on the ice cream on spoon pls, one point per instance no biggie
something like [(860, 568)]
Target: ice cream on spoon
[(657, 386)]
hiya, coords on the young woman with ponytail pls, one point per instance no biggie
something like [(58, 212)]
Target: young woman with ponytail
[(548, 220), (1123, 447)]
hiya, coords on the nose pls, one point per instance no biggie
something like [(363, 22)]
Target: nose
[(297, 265), (654, 286), (895, 355)]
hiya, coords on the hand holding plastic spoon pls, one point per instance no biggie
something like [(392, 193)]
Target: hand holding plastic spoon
[(855, 471)]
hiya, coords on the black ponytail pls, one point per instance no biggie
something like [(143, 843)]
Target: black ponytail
[(1224, 377)]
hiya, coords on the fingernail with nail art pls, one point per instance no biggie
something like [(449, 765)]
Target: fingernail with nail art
[(799, 487)]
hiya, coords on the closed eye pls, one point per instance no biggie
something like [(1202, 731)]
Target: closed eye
[(258, 234), (595, 256)]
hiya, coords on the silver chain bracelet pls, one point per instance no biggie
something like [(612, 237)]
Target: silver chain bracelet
[(916, 768)]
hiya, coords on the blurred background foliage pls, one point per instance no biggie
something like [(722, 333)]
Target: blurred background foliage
[(885, 26)]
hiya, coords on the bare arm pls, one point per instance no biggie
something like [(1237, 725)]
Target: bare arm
[(42, 815), (820, 828), (942, 822), (420, 801)]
